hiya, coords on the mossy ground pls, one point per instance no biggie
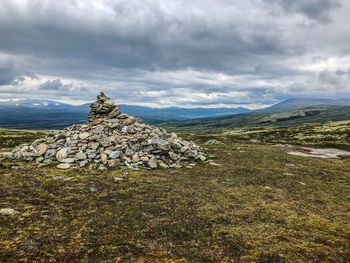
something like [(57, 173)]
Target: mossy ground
[(260, 205), (10, 138)]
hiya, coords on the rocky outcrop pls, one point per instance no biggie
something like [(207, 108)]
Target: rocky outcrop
[(110, 139)]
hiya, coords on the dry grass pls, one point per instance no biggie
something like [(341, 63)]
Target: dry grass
[(261, 205)]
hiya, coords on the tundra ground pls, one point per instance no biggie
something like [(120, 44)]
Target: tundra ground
[(256, 203)]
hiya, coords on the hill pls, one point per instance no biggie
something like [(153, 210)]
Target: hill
[(47, 114), (313, 114), (298, 103)]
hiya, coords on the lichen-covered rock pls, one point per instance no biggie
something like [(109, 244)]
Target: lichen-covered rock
[(110, 140)]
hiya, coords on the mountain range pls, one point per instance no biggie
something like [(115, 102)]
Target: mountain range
[(49, 114)]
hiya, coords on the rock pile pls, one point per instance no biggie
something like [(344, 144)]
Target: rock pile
[(104, 107), (109, 139)]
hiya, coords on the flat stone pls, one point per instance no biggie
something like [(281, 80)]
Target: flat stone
[(68, 160), (215, 164), (83, 163), (104, 158), (42, 147), (118, 179), (63, 166), (40, 159), (95, 145), (115, 154), (102, 167), (50, 153), (201, 157), (183, 149), (125, 129), (123, 116), (113, 125), (81, 156), (104, 141), (163, 165), (109, 102), (6, 154), (8, 211), (152, 163), (84, 135)]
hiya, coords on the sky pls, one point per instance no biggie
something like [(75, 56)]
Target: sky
[(198, 53)]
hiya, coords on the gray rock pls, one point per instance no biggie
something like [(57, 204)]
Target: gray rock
[(81, 156), (125, 129), (115, 155), (113, 125), (83, 163), (152, 163), (50, 153), (109, 102), (104, 158), (62, 154), (40, 159), (91, 155), (183, 149), (104, 141), (98, 130), (213, 142), (8, 211), (68, 160), (201, 157), (63, 166), (123, 116), (118, 179), (94, 145), (102, 167), (42, 147), (84, 135)]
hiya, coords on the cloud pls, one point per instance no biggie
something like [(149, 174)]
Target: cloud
[(55, 84), (318, 10), (173, 52), (10, 75)]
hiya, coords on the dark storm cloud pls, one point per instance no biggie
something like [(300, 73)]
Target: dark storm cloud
[(9, 74), (163, 51), (319, 10), (55, 84), (141, 36)]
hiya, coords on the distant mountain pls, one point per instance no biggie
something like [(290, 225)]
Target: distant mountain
[(256, 119), (175, 113), (48, 114), (33, 103), (294, 104)]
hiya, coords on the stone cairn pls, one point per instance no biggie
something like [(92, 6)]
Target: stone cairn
[(110, 139)]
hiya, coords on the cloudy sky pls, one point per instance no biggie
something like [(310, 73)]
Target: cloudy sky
[(198, 53)]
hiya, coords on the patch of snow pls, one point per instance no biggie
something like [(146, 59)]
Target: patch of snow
[(320, 153)]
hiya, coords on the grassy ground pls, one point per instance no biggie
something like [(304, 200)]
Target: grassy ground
[(10, 138), (329, 134), (260, 205)]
